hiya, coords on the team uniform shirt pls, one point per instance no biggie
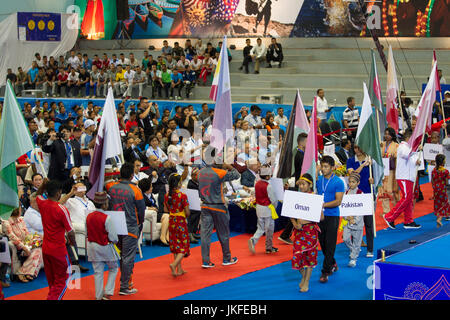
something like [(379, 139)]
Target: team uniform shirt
[(195, 65), (120, 76), (177, 77), (406, 163), (322, 107), (329, 187), (33, 73), (166, 77), (123, 62), (183, 65), (62, 76), (138, 77), (56, 222)]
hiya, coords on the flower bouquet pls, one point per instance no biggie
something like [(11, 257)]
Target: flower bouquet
[(247, 203), (341, 171), (33, 241)]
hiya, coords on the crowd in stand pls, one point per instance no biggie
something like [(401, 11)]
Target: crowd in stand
[(158, 160)]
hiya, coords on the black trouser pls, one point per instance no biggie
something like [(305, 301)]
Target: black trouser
[(72, 256), (368, 225), (189, 87), (327, 239), (287, 232), (166, 87), (246, 61), (177, 86), (3, 269), (193, 221), (271, 57)]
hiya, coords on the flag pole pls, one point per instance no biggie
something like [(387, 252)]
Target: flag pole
[(400, 102), (374, 200), (443, 113)]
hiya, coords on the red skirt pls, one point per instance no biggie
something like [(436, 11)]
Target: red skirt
[(306, 241), (178, 235)]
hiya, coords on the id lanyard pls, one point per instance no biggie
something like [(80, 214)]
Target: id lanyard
[(386, 148), (84, 204), (324, 188)]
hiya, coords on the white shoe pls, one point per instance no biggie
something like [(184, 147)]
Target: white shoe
[(369, 255), (352, 263), (251, 245)]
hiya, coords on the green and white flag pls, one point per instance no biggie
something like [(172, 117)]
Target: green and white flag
[(15, 141), (367, 138)]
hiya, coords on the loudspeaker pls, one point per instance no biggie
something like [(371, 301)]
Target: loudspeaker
[(122, 10), (232, 47)]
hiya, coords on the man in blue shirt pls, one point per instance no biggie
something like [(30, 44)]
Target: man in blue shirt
[(32, 76), (332, 188), (177, 82), (63, 116)]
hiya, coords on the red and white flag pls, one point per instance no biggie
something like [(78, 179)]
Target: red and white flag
[(392, 93), (424, 110)]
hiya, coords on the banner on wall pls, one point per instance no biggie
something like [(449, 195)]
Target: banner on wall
[(39, 26), (277, 18)]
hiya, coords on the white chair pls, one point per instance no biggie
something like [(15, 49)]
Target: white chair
[(151, 229), (15, 262)]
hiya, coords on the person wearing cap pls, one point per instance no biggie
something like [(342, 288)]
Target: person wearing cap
[(86, 137), (79, 206), (101, 250)]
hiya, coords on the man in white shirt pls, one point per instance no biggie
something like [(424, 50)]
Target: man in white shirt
[(74, 61), (79, 207), (123, 61), (138, 174), (258, 54), (32, 217), (322, 105), (280, 118), (405, 173), (441, 78), (133, 62), (73, 80), (129, 78)]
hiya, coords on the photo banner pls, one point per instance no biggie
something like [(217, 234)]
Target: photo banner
[(38, 26)]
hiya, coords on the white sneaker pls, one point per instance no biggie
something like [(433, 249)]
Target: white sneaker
[(352, 263), (369, 255), (251, 245)]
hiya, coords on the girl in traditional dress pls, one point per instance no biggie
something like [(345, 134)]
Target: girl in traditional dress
[(176, 203), (306, 239), (28, 246), (389, 189), (439, 180)]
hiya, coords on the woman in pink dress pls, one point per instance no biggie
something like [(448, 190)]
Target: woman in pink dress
[(17, 232), (439, 179)]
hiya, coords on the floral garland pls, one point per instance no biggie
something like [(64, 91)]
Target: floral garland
[(341, 171)]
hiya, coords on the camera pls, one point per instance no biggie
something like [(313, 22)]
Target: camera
[(60, 135)]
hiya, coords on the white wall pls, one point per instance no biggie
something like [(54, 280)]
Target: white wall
[(8, 7)]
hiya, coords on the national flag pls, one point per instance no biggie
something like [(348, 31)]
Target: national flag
[(438, 81), (15, 141), (107, 145), (424, 110), (221, 94), (298, 123), (367, 138), (310, 158), (375, 94), (392, 93)]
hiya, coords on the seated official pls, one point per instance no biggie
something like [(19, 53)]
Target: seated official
[(32, 217)]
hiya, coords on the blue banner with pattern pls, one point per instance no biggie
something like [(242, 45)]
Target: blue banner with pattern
[(39, 26)]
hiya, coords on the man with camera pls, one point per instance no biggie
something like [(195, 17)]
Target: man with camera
[(62, 154), (146, 112)]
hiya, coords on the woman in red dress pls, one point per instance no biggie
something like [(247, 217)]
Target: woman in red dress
[(439, 178), (176, 203), (306, 239)]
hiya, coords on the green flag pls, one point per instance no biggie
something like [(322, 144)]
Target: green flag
[(367, 138), (375, 95), (15, 141)]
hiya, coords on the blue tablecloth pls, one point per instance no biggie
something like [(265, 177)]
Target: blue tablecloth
[(246, 220)]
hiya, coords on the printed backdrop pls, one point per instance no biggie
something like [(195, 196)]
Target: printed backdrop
[(278, 18)]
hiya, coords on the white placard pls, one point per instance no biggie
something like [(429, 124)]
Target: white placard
[(386, 167), (301, 205), (356, 205), (5, 257), (193, 198), (431, 150), (278, 187), (119, 221), (22, 33), (422, 162), (329, 150)]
